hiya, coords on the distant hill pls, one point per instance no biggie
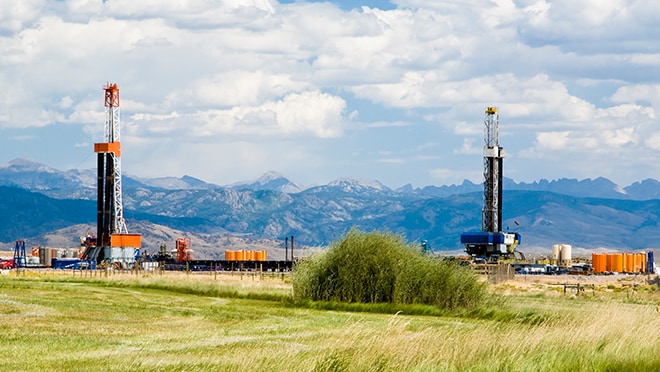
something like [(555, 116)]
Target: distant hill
[(592, 214), (271, 181)]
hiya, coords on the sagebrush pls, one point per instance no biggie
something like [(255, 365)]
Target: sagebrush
[(377, 267)]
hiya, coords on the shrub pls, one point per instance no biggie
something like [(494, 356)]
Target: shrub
[(380, 267)]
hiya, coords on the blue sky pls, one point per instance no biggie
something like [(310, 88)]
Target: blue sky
[(392, 91)]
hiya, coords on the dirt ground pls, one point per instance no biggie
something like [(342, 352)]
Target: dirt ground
[(617, 280)]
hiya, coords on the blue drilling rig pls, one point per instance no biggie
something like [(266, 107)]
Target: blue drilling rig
[(491, 242)]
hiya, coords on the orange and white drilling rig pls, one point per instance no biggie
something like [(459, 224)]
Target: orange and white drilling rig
[(113, 243)]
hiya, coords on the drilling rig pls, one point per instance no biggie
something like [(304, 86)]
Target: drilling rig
[(113, 243), (491, 242)]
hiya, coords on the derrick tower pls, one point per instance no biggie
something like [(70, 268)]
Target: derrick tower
[(493, 156), (110, 210), (491, 242), (113, 242)]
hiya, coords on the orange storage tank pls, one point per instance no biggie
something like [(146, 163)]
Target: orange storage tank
[(629, 262), (258, 256), (638, 263), (595, 257), (603, 262), (599, 262), (617, 262), (644, 262), (239, 255), (265, 255)]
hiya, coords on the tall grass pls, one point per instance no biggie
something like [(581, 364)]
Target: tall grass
[(379, 267), (154, 324)]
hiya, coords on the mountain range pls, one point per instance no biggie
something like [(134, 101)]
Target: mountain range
[(46, 206)]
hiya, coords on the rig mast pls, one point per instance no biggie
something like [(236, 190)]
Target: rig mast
[(493, 156), (110, 211), (491, 242), (113, 242)]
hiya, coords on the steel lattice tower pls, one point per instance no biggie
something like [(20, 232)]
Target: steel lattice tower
[(493, 156)]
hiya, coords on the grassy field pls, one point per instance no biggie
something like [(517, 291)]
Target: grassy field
[(201, 323)]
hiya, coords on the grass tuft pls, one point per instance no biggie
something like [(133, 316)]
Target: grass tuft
[(380, 267)]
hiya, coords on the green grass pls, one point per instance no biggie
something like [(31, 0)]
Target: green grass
[(198, 323)]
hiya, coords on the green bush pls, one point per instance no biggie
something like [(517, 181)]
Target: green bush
[(380, 267)]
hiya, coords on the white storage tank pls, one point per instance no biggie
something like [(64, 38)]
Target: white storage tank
[(566, 254), (556, 249)]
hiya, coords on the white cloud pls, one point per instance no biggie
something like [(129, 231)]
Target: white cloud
[(311, 112), (571, 79), (17, 14), (638, 93), (468, 148)]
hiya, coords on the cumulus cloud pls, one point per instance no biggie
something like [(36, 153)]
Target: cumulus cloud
[(572, 80), (311, 112)]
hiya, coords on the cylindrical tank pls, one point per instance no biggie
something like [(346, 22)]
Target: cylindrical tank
[(638, 263), (45, 256), (265, 255), (595, 257), (603, 262), (644, 262), (565, 253), (629, 262), (599, 262), (239, 255), (556, 252), (617, 262)]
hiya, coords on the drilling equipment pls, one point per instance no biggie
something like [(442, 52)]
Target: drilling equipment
[(113, 243), (491, 243)]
